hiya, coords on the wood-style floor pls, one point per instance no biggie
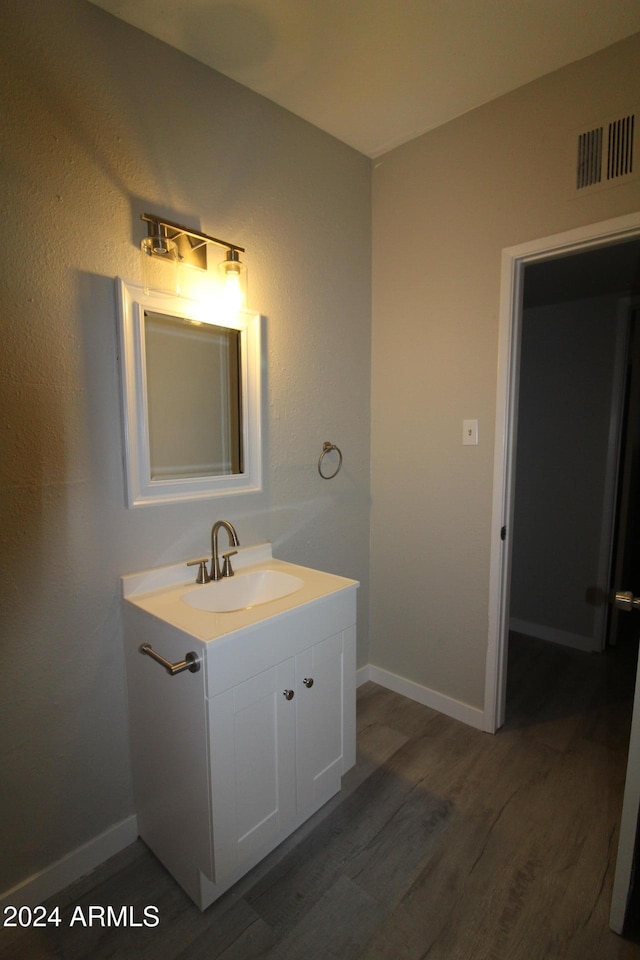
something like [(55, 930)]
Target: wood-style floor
[(445, 843)]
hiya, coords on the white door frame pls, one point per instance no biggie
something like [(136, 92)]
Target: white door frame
[(514, 260)]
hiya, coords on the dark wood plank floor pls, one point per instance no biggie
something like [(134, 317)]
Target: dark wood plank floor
[(445, 843)]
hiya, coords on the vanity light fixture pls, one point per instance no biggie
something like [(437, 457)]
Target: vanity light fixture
[(173, 244)]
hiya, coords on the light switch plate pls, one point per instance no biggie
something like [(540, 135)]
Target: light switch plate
[(469, 432)]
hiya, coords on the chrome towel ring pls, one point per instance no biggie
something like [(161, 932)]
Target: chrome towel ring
[(327, 448)]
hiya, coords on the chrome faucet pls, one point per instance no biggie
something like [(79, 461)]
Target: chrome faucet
[(227, 569)]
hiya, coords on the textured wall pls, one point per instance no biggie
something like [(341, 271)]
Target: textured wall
[(101, 122), (444, 206)]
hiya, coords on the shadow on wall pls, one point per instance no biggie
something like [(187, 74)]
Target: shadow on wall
[(39, 421)]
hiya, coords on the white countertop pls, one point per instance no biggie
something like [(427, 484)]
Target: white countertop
[(160, 593)]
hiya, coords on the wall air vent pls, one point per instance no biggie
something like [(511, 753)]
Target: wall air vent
[(589, 158), (608, 153)]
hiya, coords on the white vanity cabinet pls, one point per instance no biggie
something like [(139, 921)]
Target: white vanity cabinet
[(230, 760), (277, 750)]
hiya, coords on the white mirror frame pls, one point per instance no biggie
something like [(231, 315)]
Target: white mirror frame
[(141, 490)]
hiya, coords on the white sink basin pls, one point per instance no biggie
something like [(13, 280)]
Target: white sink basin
[(243, 591)]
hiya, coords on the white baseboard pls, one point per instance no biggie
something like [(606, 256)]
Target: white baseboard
[(455, 709), (54, 878), (362, 675), (541, 632)]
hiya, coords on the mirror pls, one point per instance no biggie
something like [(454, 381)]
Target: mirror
[(191, 398), (188, 365)]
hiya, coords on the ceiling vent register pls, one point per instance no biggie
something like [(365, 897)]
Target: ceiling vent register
[(606, 153)]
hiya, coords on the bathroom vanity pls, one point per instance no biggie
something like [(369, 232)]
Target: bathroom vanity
[(254, 731)]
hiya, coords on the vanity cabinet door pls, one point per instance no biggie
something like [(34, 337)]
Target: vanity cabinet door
[(252, 737), (280, 742), (319, 714)]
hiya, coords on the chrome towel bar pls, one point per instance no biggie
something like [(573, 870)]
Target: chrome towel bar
[(190, 662)]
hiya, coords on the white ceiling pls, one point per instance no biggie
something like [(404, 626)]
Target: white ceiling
[(376, 73)]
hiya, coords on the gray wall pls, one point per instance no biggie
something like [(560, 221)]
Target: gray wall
[(444, 207), (100, 123)]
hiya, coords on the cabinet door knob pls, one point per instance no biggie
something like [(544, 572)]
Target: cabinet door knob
[(287, 694), (308, 681)]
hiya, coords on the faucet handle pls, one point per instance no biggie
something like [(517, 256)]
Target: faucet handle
[(203, 575), (227, 569)]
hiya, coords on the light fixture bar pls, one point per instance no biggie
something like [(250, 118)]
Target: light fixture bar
[(168, 245), (191, 244)]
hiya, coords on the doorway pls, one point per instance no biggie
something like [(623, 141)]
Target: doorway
[(609, 240), (573, 409), (515, 261)]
